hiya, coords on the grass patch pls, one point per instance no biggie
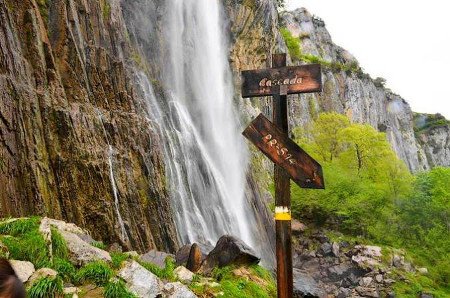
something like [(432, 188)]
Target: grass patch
[(239, 287), (59, 246), (65, 269), (164, 273), (117, 289), (20, 226), (46, 288), (30, 247), (117, 259), (99, 244), (97, 272)]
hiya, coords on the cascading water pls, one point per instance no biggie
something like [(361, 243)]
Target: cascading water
[(205, 154), (123, 233)]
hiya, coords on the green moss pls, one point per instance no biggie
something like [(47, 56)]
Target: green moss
[(46, 287), (44, 6), (97, 272), (117, 289), (106, 9), (425, 122)]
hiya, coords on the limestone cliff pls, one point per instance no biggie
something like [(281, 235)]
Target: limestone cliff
[(75, 142), (346, 88)]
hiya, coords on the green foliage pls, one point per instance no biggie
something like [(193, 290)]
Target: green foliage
[(164, 273), (117, 289), (371, 196), (59, 246), (97, 272), (46, 287), (292, 43), (117, 259)]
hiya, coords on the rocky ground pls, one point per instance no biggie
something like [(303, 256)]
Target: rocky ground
[(54, 259), (339, 268)]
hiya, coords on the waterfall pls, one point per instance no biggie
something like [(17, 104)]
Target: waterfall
[(205, 154)]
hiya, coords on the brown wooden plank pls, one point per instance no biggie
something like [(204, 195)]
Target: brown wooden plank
[(276, 145), (266, 82)]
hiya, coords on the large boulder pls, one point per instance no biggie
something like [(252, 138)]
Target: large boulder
[(182, 255), (229, 250), (140, 281), (306, 286), (195, 259), (23, 269), (155, 257), (177, 290), (81, 252)]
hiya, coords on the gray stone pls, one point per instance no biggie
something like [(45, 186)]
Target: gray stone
[(183, 274), (80, 252), (335, 249), (23, 269), (155, 257), (343, 293), (177, 290), (297, 227), (379, 278), (41, 273), (425, 295), (423, 270), (366, 281), (306, 286), (325, 249), (139, 280), (367, 292), (398, 261)]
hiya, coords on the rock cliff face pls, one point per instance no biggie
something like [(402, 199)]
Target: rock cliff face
[(75, 142), (346, 89)]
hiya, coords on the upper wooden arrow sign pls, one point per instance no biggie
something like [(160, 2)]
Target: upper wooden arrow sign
[(276, 145), (296, 79)]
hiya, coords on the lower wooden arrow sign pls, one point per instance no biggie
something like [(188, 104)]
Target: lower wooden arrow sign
[(276, 145)]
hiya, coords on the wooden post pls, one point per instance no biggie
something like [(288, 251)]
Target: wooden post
[(282, 195)]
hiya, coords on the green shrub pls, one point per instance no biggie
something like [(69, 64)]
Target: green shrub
[(117, 289), (97, 272), (46, 287)]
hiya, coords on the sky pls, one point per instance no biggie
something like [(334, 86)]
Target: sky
[(405, 42)]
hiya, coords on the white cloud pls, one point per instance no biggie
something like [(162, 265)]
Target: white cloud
[(406, 42)]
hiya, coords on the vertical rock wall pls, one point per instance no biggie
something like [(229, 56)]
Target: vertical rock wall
[(68, 111)]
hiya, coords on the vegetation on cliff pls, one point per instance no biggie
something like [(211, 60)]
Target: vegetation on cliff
[(370, 196)]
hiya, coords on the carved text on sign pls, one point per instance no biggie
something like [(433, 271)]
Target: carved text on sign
[(265, 82), (282, 152)]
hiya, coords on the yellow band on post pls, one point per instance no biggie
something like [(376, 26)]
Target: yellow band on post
[(282, 213), (283, 216)]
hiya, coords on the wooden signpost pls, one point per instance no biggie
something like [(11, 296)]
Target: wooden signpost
[(290, 160)]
